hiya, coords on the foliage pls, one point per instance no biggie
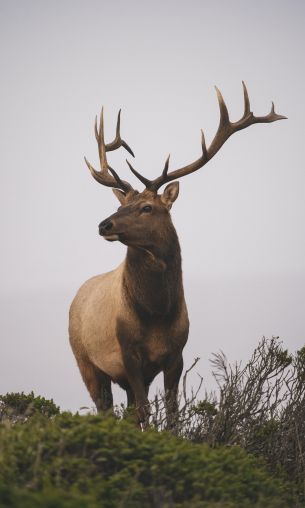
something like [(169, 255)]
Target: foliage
[(260, 407), (74, 461), (18, 406), (242, 446)]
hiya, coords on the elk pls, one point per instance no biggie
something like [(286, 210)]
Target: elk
[(128, 325)]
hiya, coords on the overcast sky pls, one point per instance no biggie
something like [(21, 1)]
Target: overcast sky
[(240, 219)]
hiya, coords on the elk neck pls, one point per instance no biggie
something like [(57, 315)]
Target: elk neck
[(153, 277)]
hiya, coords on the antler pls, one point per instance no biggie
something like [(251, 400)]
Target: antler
[(103, 176), (224, 131)]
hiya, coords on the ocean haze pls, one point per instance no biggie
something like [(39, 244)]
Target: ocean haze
[(240, 219)]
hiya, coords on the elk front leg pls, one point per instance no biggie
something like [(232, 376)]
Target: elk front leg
[(138, 395), (172, 374), (98, 384), (131, 398), (132, 359)]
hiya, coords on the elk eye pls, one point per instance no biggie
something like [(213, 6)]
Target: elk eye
[(147, 209)]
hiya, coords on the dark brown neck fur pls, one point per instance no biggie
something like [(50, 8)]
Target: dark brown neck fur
[(153, 277)]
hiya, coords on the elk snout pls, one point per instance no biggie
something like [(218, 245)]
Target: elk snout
[(105, 227)]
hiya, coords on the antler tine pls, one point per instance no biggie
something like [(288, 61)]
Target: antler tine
[(94, 173), (118, 141), (249, 119), (246, 101), (106, 179), (138, 175), (203, 146), (225, 129), (224, 114), (121, 183), (103, 176), (165, 170), (101, 142), (96, 129)]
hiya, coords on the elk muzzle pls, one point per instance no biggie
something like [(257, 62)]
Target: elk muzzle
[(106, 230)]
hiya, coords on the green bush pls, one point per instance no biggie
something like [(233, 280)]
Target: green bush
[(19, 406), (87, 461)]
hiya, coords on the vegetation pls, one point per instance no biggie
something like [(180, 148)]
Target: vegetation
[(19, 407), (244, 447)]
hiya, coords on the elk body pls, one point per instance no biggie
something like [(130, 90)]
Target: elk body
[(130, 324)]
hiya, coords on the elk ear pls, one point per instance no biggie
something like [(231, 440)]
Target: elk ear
[(120, 195), (170, 194)]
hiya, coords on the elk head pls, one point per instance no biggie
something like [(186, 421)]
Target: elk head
[(143, 218)]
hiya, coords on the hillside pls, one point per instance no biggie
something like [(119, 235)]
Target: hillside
[(242, 448)]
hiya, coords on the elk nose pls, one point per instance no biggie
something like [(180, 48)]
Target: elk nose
[(105, 226)]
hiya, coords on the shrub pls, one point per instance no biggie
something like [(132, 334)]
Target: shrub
[(239, 447), (18, 406), (87, 461), (259, 406)]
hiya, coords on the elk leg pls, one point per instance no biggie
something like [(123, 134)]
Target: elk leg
[(131, 403), (172, 374), (133, 367), (98, 384), (131, 397), (138, 391), (106, 392)]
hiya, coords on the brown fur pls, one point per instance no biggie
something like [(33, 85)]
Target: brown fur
[(128, 325)]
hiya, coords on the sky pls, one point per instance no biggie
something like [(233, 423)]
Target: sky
[(240, 219)]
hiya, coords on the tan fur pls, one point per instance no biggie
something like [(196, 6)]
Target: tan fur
[(130, 324), (92, 322), (93, 316)]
